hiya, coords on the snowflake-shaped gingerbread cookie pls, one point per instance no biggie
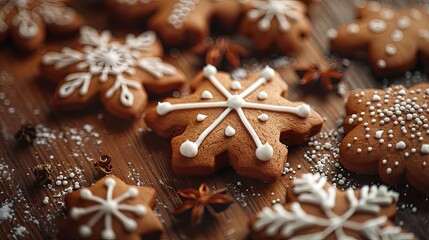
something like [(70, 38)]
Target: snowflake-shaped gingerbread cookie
[(110, 210), (388, 132), (276, 24), (113, 70), (317, 210), (393, 38), (237, 123), (26, 21), (180, 22)]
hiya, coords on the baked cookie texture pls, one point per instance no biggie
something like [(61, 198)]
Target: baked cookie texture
[(237, 123), (117, 72), (387, 133), (279, 25), (317, 210), (393, 39), (180, 22), (27, 22), (111, 209)]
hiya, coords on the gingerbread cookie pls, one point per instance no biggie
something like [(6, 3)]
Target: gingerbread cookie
[(181, 22), (237, 123), (317, 210), (276, 24), (111, 210), (393, 38), (388, 132), (114, 70), (27, 21)]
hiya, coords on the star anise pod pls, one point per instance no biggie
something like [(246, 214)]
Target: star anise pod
[(104, 164), (222, 52), (26, 134), (315, 76), (43, 174), (198, 202)]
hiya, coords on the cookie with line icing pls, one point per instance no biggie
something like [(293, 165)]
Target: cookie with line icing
[(117, 72), (317, 210), (28, 21), (237, 123), (387, 132), (279, 25), (180, 22), (111, 209), (392, 38)]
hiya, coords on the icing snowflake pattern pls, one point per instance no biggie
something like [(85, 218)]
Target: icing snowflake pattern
[(107, 209), (282, 10), (102, 57), (233, 102), (25, 16), (310, 189)]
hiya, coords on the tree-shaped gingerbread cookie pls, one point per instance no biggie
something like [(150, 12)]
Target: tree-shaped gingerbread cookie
[(388, 133), (237, 123)]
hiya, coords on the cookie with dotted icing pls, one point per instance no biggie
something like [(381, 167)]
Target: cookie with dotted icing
[(180, 22), (237, 123), (279, 25), (387, 132), (317, 210), (111, 209), (116, 71), (392, 38), (26, 22)]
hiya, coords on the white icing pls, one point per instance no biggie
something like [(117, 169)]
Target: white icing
[(102, 57), (107, 208), (229, 131), (416, 14), (236, 103), (381, 63), (427, 91), (424, 34), (262, 95), (283, 11), (379, 134), (332, 33), (377, 25), (201, 117), (263, 117), (397, 35), (403, 22), (402, 92), (390, 49), (376, 98), (425, 149), (206, 95), (387, 14), (181, 11), (310, 189), (401, 145), (353, 29), (236, 85)]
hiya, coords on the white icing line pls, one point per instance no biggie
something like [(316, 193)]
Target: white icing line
[(301, 110)]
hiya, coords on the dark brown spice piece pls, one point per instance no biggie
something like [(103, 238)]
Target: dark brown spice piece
[(43, 174), (314, 76), (199, 201), (26, 134), (104, 164)]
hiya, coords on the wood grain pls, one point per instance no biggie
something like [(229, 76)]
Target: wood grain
[(140, 157)]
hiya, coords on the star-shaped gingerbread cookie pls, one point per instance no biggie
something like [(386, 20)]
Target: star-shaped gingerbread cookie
[(317, 210), (111, 209), (387, 132), (237, 123), (392, 38), (115, 71), (276, 24), (180, 22), (27, 21)]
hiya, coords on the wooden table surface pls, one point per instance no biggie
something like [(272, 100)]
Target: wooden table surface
[(71, 143)]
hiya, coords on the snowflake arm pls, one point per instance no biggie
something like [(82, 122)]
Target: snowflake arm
[(65, 58), (126, 97), (90, 36), (156, 67), (142, 42), (73, 82)]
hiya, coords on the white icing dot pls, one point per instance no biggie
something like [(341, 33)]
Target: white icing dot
[(427, 91), (85, 231), (236, 85), (264, 152), (133, 191), (268, 73), (108, 234), (381, 63), (140, 210), (209, 70), (374, 6), (303, 110), (206, 95), (201, 117), (424, 34), (387, 14), (416, 14), (110, 182), (353, 29), (397, 35), (379, 134), (376, 98), (402, 92), (425, 149), (263, 117), (332, 33), (377, 25), (390, 49), (403, 22), (189, 149), (401, 145), (262, 95), (163, 108), (388, 170), (229, 131), (85, 193)]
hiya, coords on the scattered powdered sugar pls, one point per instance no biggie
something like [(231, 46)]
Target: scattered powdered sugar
[(6, 211)]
